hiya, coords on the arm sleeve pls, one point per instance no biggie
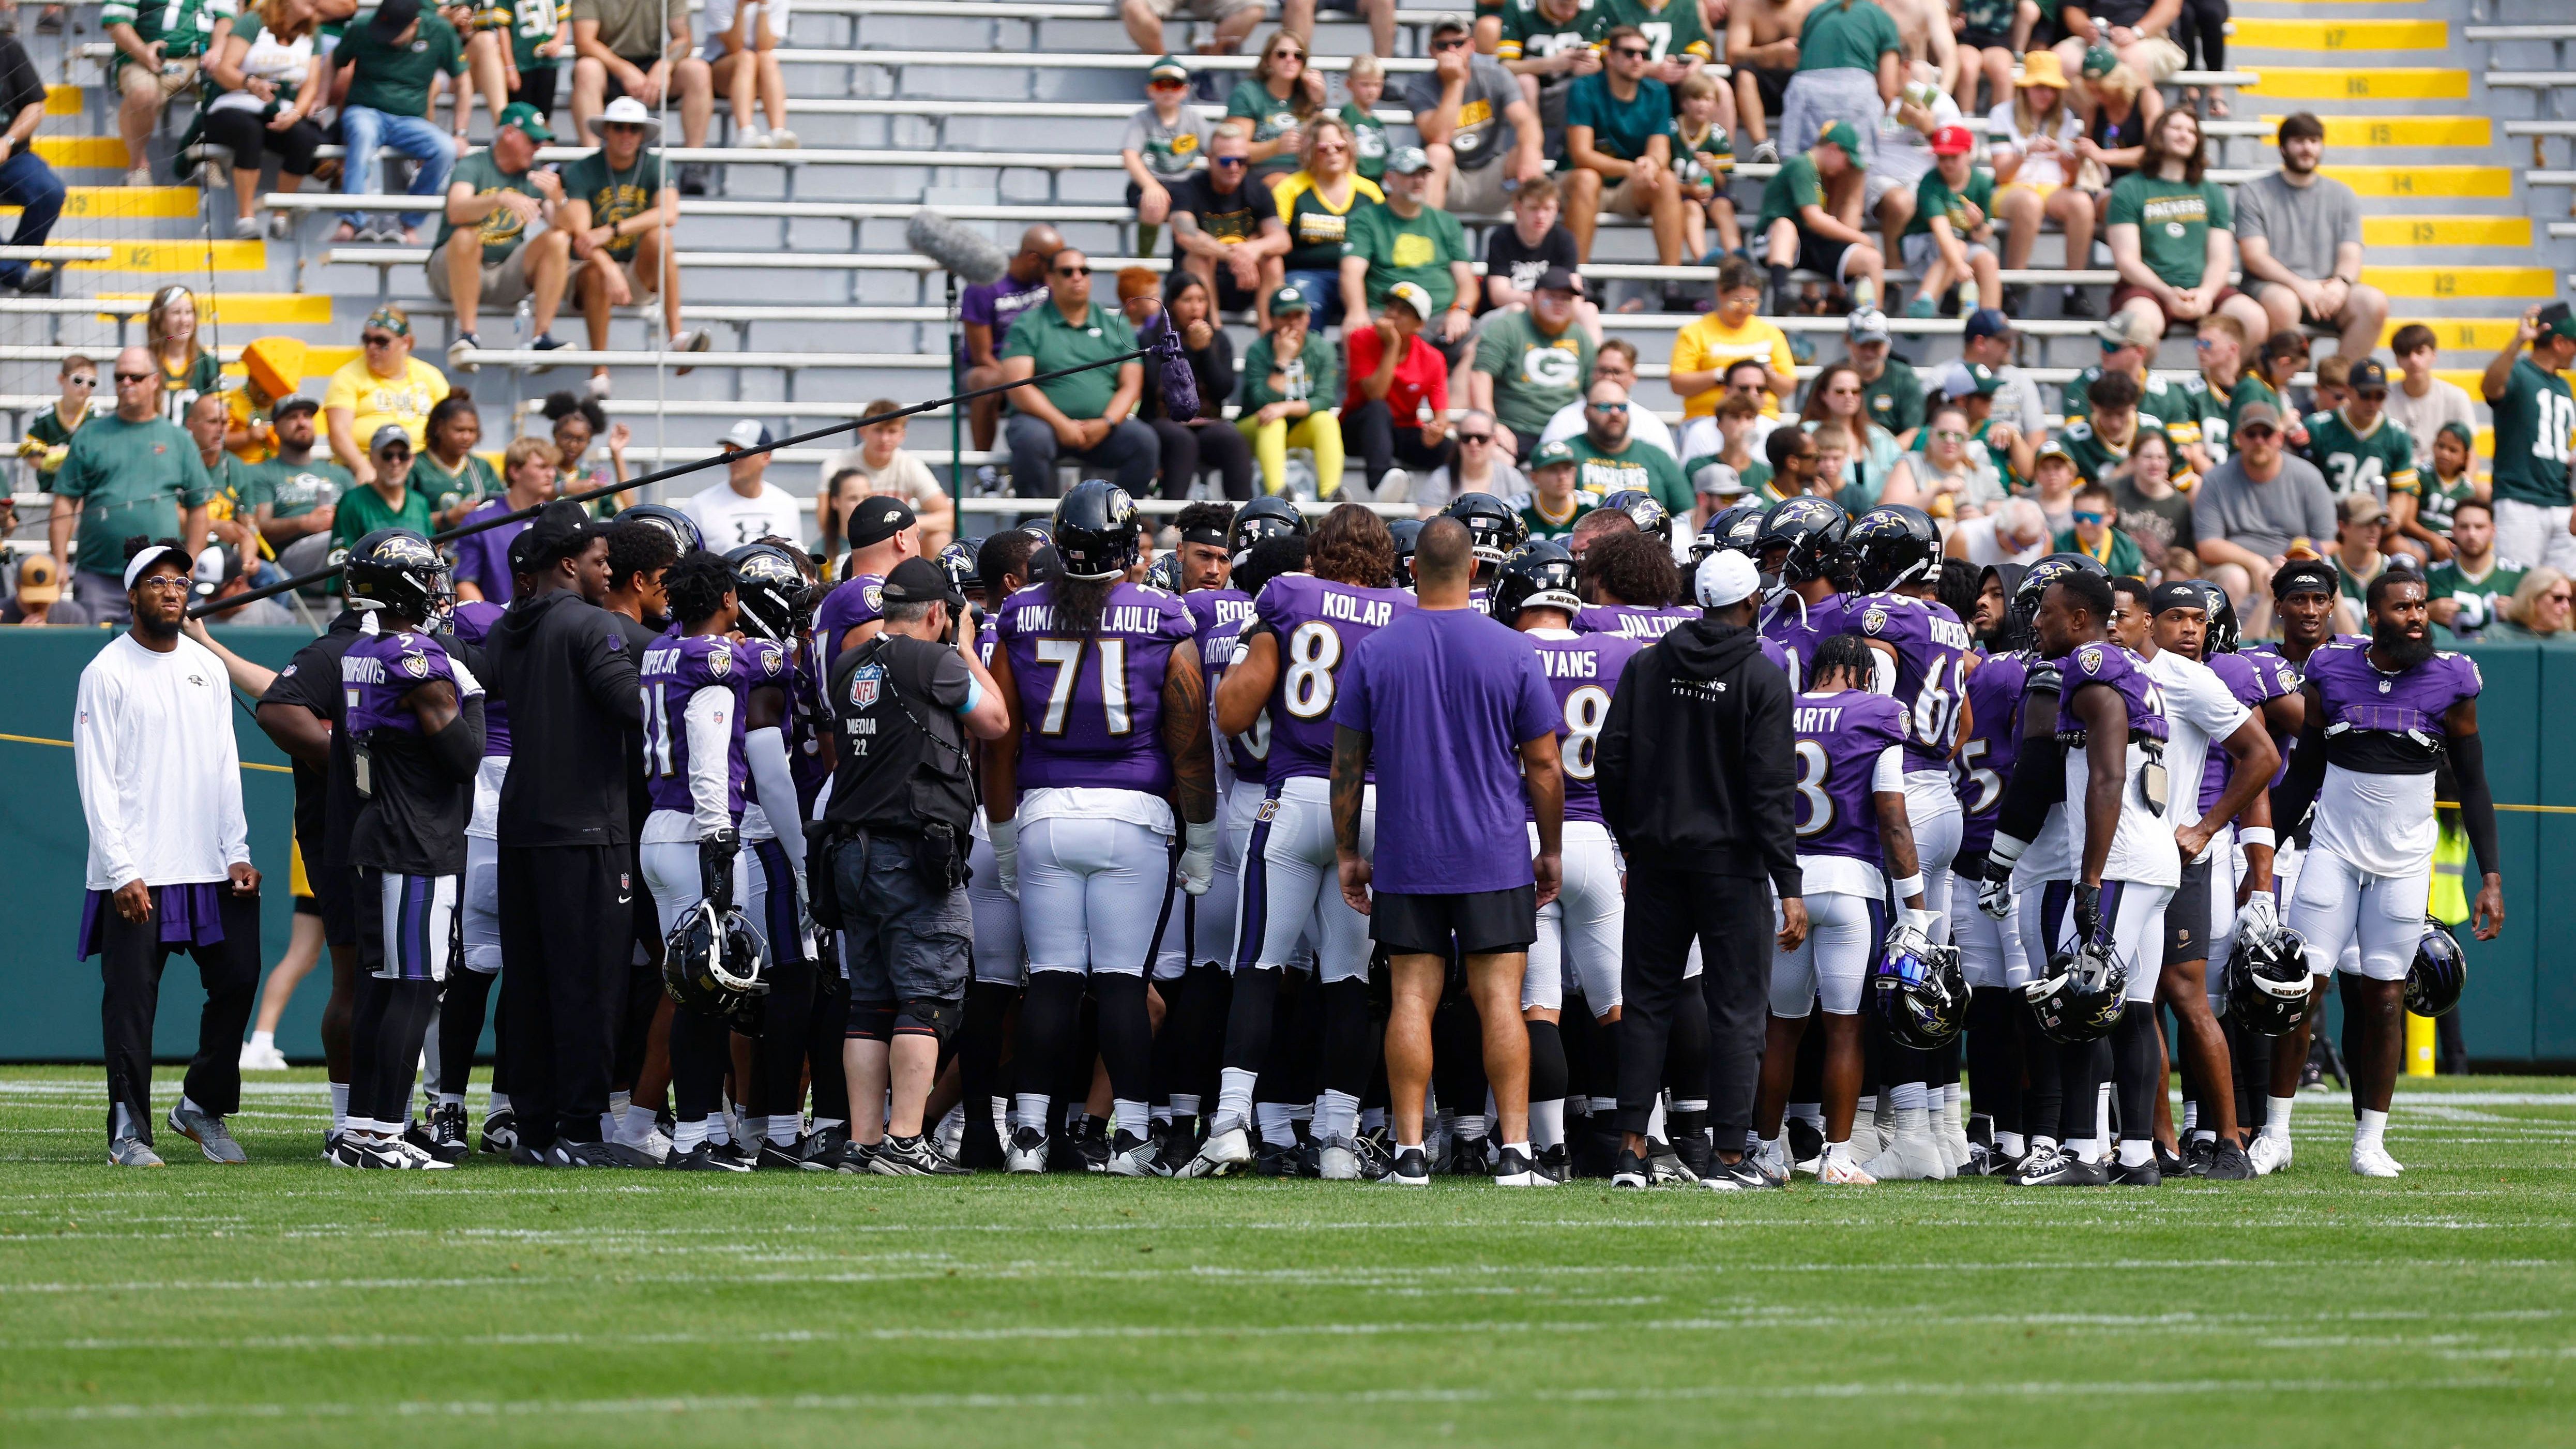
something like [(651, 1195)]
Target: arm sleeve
[(459, 747), (2477, 805), (766, 748), (609, 675), (1889, 776), (710, 724), (94, 762)]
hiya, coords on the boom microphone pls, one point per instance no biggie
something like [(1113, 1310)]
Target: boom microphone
[(961, 251)]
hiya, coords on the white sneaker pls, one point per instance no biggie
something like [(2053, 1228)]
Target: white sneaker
[(1395, 487), (2269, 1154), (1835, 1170), (2372, 1160), (1339, 1161), (139, 176), (257, 1058), (753, 139), (246, 228), (1913, 1156), (1221, 1153), (782, 139), (596, 385)]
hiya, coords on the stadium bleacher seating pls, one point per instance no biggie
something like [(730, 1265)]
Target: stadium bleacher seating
[(1002, 113)]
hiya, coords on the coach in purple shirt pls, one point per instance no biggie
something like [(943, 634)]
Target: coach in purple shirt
[(1454, 712), (987, 311)]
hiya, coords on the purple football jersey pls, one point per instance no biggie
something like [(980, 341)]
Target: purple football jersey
[(860, 599), (1799, 630), (2255, 684), (1583, 672), (808, 722), (675, 668), (474, 621), (1632, 621), (1220, 614), (760, 664), (1985, 758), (1092, 706), (379, 670), (2108, 663), (1840, 739), (1317, 625), (1931, 647), (1779, 655), (2359, 696)]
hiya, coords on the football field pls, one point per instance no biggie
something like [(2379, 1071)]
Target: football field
[(288, 1303)]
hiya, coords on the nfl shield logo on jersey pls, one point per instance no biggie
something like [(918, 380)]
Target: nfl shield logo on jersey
[(865, 683)]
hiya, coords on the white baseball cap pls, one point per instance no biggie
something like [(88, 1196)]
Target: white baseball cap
[(1726, 578), (626, 111)]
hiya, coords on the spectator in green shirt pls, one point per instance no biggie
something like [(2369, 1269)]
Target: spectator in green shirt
[(393, 54), (1613, 462), (493, 199), (293, 499), (1532, 362), (126, 474), (49, 434), (2096, 534), (388, 502), (1407, 240), (1619, 148), (1554, 504), (1085, 416), (619, 208), (2172, 236), (1891, 392), (2465, 593), (1801, 222)]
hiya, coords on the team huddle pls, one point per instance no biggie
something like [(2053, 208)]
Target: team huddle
[(2034, 810)]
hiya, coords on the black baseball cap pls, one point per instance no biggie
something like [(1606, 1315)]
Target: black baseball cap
[(2176, 596), (918, 581), (878, 518), (393, 17), (560, 530), (2367, 376), (2304, 576)]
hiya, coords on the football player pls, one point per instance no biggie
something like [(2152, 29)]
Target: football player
[(1804, 554), (883, 533), (415, 720), (1634, 588), (462, 1005), (1923, 658), (1989, 949), (1494, 529), (2199, 704), (1579, 933), (2381, 717), (1854, 845), (1305, 625), (1108, 733), (693, 682)]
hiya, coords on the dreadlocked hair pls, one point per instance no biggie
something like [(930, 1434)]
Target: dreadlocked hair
[(1846, 654), (697, 585)]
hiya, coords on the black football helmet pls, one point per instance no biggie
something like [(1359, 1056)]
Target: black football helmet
[(399, 572), (714, 964), (1165, 571), (2439, 974), (1651, 517), (1894, 545), (1920, 995), (1095, 531), (1407, 531), (2225, 631), (1269, 516), (1735, 526), (1493, 528), (2021, 622), (777, 598), (682, 528), (1538, 575), (2081, 997), (1804, 538), (2267, 981), (959, 563)]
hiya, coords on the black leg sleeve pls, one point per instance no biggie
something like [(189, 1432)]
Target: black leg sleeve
[(1994, 1057), (1248, 1020), (1126, 1035), (130, 960), (2043, 1100), (1686, 1048), (701, 1050), (2137, 1065), (1050, 1020), (460, 1027), (979, 1063), (1548, 1076), (826, 1027), (2083, 1070), (1350, 1048)]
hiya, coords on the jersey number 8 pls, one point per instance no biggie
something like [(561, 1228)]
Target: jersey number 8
[(1314, 652), (1586, 711)]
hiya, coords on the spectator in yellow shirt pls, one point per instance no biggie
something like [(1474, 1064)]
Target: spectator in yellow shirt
[(1703, 349), (385, 385)]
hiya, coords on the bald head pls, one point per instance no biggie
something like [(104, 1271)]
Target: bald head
[(1443, 553), (137, 401), (1037, 244)]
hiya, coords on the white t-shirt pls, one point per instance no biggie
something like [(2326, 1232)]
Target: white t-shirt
[(1904, 153), (2036, 170), (160, 778), (1643, 426), (729, 520), (1986, 548), (2200, 713), (905, 476)]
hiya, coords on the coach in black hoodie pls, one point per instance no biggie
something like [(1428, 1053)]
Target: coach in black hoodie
[(567, 884), (1697, 783)]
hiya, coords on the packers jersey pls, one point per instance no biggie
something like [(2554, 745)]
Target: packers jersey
[(1676, 30), (2174, 403), (2095, 455), (1529, 33), (183, 26), (529, 23), (2381, 460), (2533, 421)]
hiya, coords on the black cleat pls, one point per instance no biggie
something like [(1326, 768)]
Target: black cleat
[(602, 1154), (1471, 1157), (1696, 1152), (2145, 1174), (2169, 1163), (1410, 1168), (1554, 1164), (2228, 1164), (783, 1157), (2059, 1168), (1631, 1171), (703, 1158), (446, 1138), (823, 1147), (501, 1133), (1277, 1161), (2195, 1159)]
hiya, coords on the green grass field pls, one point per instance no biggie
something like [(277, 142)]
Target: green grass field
[(288, 1303)]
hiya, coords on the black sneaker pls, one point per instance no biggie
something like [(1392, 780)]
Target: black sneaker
[(1745, 1173), (501, 1133), (1471, 1157), (2168, 1161), (1134, 1156), (1806, 1144), (39, 280), (2145, 1174), (1666, 1162), (2228, 1163), (1697, 1153), (780, 1156), (603, 1154), (859, 1159), (1090, 1149), (550, 1155), (2060, 1168), (744, 1158), (1631, 1171), (912, 1157), (2076, 302), (703, 1158), (1411, 1168), (1595, 1153), (447, 1137), (2196, 1156), (1279, 1161), (693, 179), (1512, 1169), (823, 1147), (1554, 1163)]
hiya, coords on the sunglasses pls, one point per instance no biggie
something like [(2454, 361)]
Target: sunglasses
[(1286, 52), (2203, 344), (80, 382), (1228, 162), (2248, 434), (2089, 517), (1475, 437), (134, 377), (1950, 435), (1167, 85), (2560, 598), (378, 339), (1073, 271), (1439, 47), (1616, 407), (1630, 52)]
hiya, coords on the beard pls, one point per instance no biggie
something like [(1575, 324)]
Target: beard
[(157, 628), (2399, 649)]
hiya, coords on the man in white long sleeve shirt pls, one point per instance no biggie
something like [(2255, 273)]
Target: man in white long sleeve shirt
[(169, 859)]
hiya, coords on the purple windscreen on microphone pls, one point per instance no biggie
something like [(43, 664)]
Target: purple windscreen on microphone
[(1180, 384)]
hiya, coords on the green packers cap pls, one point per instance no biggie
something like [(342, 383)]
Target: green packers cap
[(2565, 326), (1843, 134), (1289, 299), (1168, 67), (1550, 454), (2098, 60), (528, 119)]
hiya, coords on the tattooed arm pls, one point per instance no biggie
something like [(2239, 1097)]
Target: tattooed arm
[(1350, 786), (1186, 738)]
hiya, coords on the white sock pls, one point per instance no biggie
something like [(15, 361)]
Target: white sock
[(500, 1103), (451, 1099), (1908, 1097), (1866, 1108), (263, 1040), (1234, 1097), (2276, 1116), (340, 1107), (1336, 1113), (1655, 1121), (2190, 1116), (1950, 1097), (1811, 1113), (782, 1127), (1129, 1116), (1373, 1119), (1466, 1126), (1547, 1123), (1185, 1104), (2134, 1153), (635, 1126), (2203, 1134), (2371, 1130), (2040, 1143), (1277, 1127), (2087, 1148), (1030, 1110), (2009, 1144), (1522, 1148), (618, 1102), (685, 1136), (1753, 1139)]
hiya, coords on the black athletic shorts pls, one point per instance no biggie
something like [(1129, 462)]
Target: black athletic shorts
[(1483, 922), (1821, 254), (2187, 916), (1985, 39), (537, 88), (1773, 86)]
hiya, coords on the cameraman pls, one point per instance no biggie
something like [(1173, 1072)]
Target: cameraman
[(902, 801)]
